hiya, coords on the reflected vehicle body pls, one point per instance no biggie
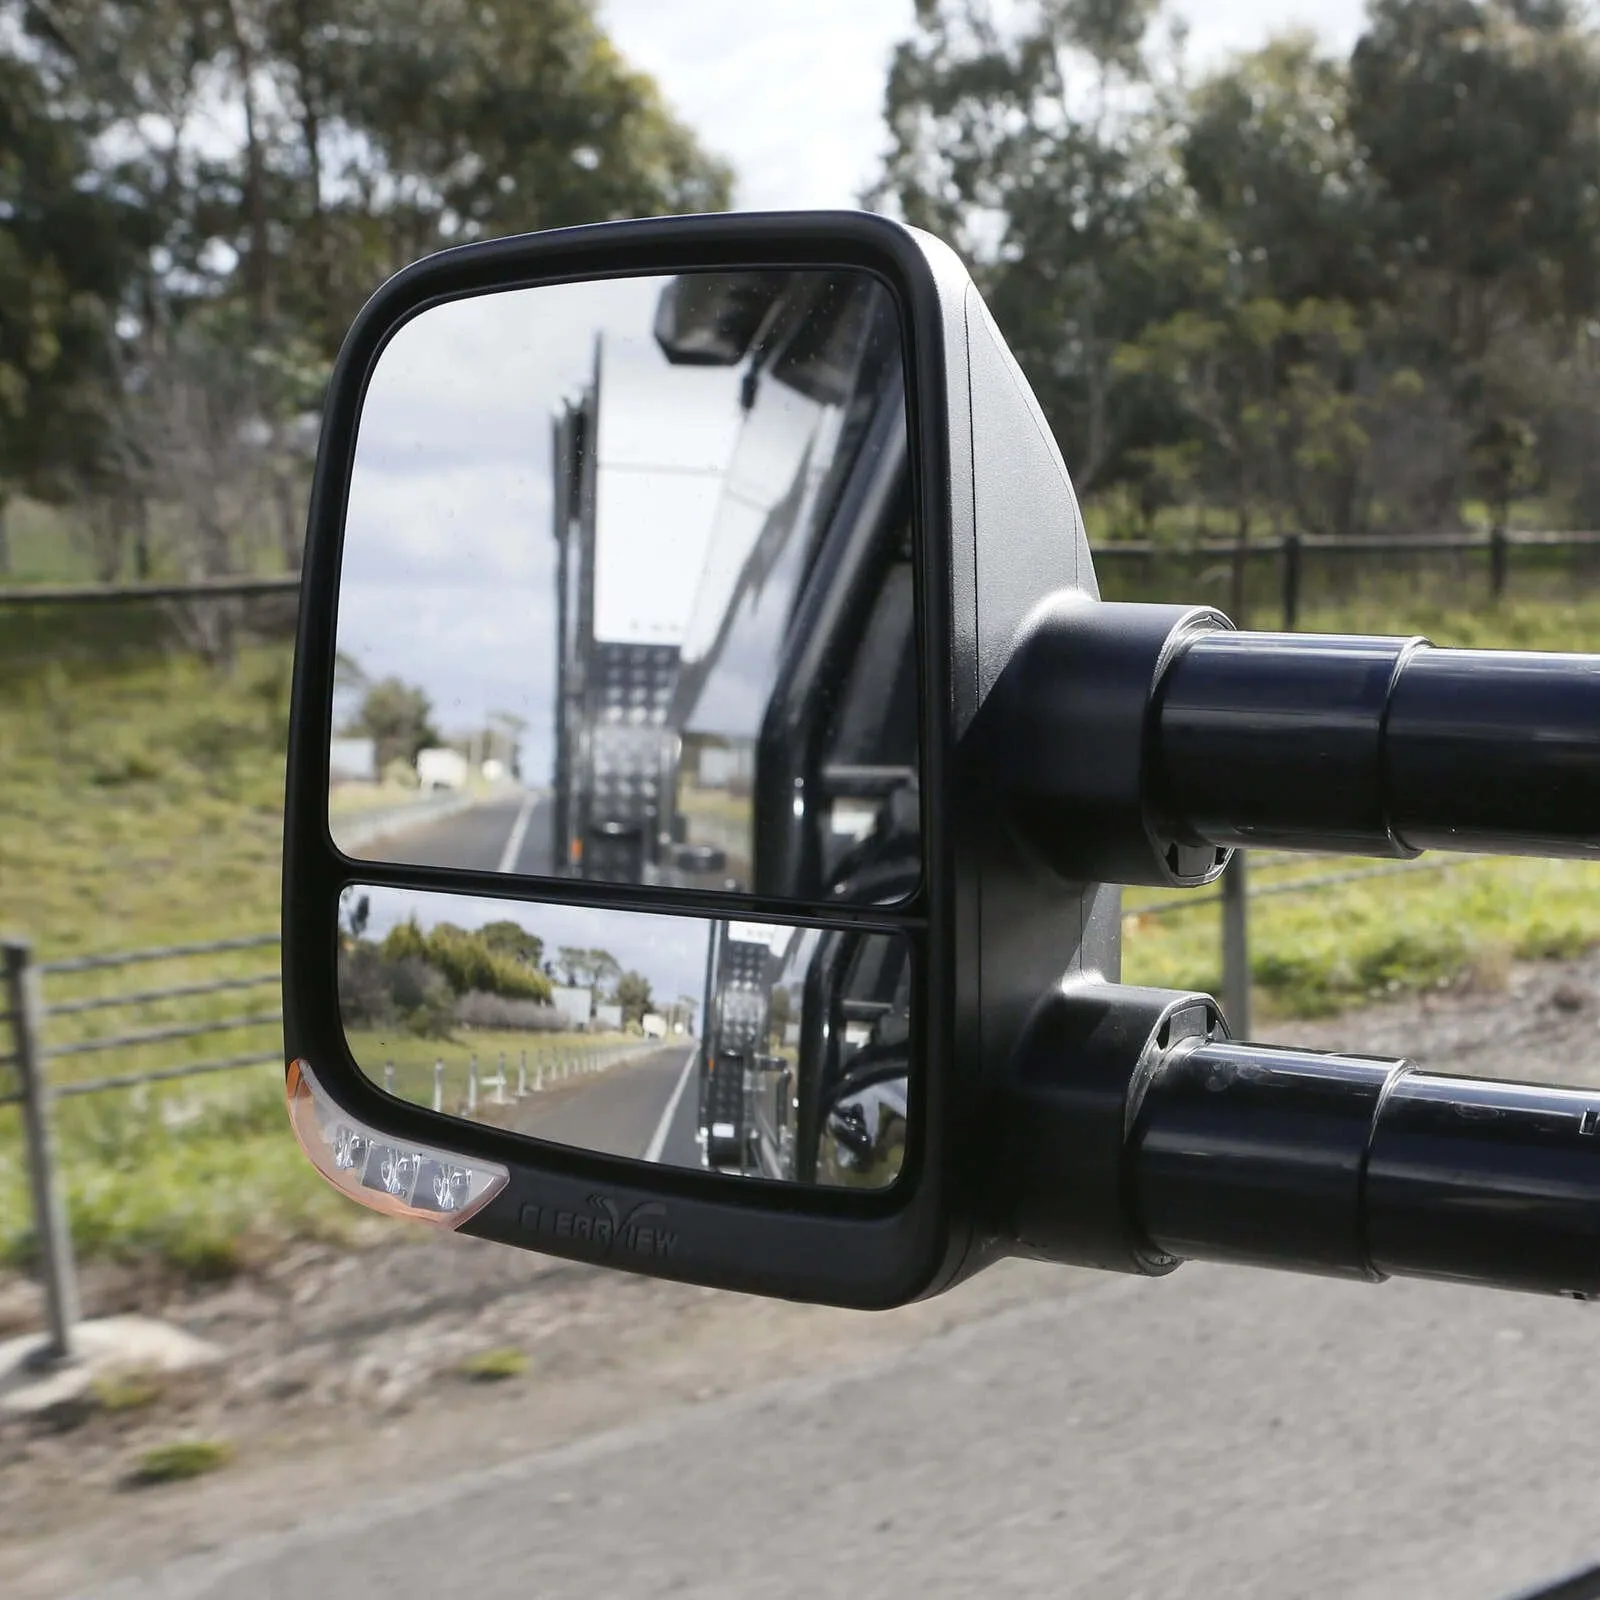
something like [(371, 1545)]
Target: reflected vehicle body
[(750, 739), (805, 1054)]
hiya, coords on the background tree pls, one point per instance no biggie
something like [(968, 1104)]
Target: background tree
[(512, 939), (1046, 155), (587, 969), (632, 993), (68, 246), (399, 719), (197, 195), (1333, 294)]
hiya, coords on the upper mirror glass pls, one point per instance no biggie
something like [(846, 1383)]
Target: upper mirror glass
[(627, 589)]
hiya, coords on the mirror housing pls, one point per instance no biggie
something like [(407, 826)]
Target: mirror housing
[(997, 528)]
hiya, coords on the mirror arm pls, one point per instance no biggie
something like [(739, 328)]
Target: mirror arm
[(1136, 1134), (1205, 739)]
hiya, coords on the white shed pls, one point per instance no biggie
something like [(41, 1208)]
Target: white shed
[(574, 1005), (441, 769)]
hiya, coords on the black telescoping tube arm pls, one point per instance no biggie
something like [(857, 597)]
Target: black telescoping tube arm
[(1142, 1136), (1379, 746), (1369, 1169), (1146, 741), (1139, 744)]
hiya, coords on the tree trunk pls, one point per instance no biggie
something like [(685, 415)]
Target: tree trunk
[(141, 537), (1241, 545), (309, 88), (291, 515), (258, 269)]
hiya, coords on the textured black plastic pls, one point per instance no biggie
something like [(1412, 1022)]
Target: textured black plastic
[(1077, 740), (1064, 1180)]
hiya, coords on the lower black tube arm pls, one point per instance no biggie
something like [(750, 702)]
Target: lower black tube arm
[(1139, 1135), (1369, 1168)]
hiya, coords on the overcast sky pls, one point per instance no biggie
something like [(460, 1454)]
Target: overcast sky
[(449, 568), (791, 91)]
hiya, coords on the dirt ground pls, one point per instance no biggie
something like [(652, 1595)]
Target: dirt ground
[(343, 1371)]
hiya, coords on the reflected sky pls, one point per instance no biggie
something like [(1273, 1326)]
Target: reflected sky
[(449, 561)]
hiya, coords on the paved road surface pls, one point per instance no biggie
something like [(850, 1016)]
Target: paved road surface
[(644, 1107), (512, 835), (1219, 1433)]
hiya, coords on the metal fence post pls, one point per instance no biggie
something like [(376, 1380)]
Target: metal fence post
[(49, 1211), (1291, 581), (472, 1087), (500, 1082), (438, 1086), (1236, 947), (522, 1076), (388, 1076), (1499, 547)]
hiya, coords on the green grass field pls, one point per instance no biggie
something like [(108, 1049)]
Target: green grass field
[(143, 801), (1315, 953), (141, 795)]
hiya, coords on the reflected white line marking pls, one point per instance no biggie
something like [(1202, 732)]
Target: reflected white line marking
[(519, 832), (658, 1140)]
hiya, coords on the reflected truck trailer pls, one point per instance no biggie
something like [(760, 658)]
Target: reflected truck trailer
[(805, 1054), (739, 716), (736, 1040), (633, 503)]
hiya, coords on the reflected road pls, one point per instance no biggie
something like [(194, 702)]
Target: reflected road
[(503, 835), (642, 1108)]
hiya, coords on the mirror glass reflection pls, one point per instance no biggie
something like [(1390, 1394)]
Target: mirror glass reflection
[(627, 589), (751, 1048)]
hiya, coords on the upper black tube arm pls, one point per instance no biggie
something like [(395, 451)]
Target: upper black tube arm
[(1141, 743), (1380, 746)]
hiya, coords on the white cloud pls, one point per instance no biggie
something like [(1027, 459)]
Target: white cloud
[(449, 573)]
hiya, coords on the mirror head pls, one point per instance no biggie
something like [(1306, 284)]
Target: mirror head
[(640, 834)]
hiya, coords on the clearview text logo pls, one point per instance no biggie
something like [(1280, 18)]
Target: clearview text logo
[(641, 1231)]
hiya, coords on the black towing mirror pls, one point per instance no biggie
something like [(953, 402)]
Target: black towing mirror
[(736, 768)]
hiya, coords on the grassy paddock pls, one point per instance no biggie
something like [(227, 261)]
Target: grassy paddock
[(1316, 953)]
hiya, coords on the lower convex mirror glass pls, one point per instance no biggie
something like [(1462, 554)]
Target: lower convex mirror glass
[(762, 1049)]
